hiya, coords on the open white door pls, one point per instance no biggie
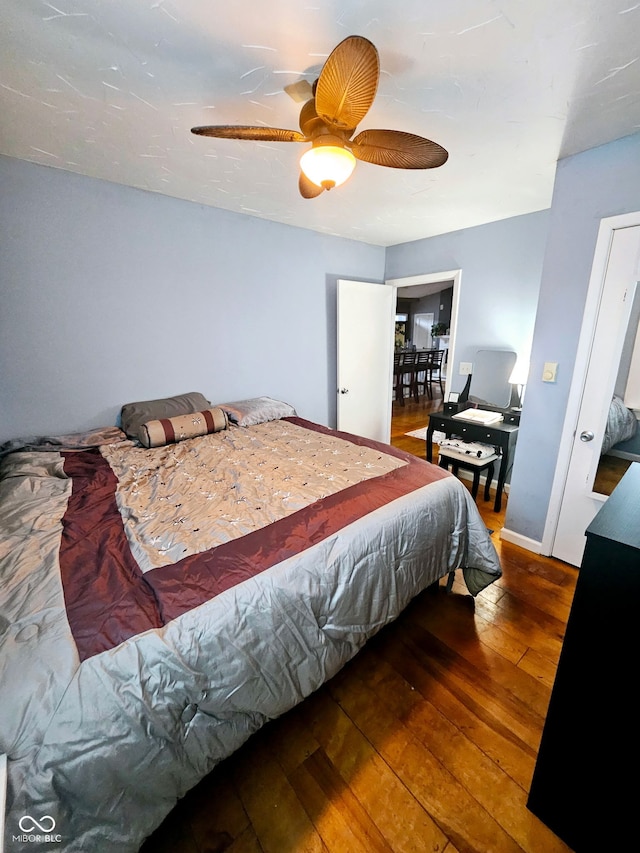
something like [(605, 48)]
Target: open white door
[(619, 258), (366, 314)]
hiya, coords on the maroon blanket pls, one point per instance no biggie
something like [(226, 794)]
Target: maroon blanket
[(109, 599)]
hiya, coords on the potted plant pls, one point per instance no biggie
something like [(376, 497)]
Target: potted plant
[(438, 329)]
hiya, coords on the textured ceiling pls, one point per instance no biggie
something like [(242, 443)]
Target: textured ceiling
[(111, 90)]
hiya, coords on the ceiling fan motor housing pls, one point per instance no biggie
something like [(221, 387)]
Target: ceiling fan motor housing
[(314, 127)]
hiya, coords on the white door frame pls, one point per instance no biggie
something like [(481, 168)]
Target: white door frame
[(581, 364), (434, 278)]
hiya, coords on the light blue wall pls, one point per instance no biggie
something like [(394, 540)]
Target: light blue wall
[(110, 294), (602, 182), (501, 265)]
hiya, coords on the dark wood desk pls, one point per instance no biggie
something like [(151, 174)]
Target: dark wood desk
[(502, 436)]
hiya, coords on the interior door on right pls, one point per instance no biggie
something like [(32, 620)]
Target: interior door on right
[(580, 502)]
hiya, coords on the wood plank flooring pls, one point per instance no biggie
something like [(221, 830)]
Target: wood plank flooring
[(426, 741)]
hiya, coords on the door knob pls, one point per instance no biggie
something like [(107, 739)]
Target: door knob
[(344, 390), (587, 435)]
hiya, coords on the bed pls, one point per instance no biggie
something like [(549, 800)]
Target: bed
[(620, 431), (159, 604)]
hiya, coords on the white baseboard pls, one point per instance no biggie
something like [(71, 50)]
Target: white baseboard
[(523, 541), (508, 535)]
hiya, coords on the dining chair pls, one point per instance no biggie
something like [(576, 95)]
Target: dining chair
[(407, 376), (432, 370), (422, 364), (398, 358)]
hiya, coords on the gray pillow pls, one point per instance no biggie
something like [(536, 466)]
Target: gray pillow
[(257, 410), (134, 415), (621, 425)]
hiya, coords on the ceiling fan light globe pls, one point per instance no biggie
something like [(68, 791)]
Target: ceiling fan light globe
[(327, 166)]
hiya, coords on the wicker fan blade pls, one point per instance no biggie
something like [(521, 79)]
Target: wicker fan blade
[(307, 188), (398, 150), (240, 131), (347, 83)]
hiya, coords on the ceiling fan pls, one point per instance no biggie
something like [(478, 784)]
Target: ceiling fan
[(339, 100)]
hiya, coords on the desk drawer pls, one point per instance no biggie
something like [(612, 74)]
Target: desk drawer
[(478, 433)]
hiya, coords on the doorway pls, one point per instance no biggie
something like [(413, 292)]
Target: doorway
[(430, 283), (362, 408)]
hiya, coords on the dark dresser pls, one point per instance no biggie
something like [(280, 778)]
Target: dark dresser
[(584, 785)]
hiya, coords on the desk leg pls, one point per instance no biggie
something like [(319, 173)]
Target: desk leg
[(502, 475), (429, 443)]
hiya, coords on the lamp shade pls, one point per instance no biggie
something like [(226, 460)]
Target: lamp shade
[(327, 166), (518, 380), (520, 372)]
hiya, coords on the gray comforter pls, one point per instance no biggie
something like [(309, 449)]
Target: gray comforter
[(101, 744)]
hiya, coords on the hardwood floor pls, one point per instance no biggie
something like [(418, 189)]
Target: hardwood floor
[(610, 471), (426, 741)]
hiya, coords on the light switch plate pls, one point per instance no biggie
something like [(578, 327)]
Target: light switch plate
[(550, 371)]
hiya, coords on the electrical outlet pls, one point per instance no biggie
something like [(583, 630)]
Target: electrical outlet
[(466, 367)]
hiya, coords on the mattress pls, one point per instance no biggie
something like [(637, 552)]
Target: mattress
[(157, 606)]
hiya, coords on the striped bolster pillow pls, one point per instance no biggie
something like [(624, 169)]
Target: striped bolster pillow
[(168, 430)]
